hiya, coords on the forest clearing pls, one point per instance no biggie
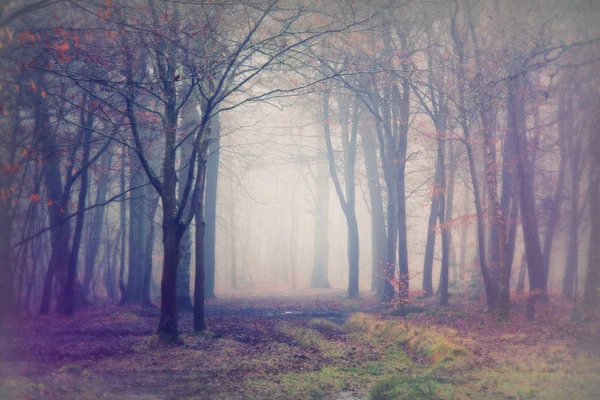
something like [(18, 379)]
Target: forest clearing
[(321, 346), (300, 199)]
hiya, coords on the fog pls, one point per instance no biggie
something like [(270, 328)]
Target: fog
[(198, 173)]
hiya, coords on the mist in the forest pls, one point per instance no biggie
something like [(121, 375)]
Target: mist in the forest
[(297, 199)]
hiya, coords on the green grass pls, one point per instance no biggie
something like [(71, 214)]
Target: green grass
[(305, 337), (407, 387), (323, 324), (372, 357)]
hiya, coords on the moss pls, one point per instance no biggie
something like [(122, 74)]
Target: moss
[(432, 344), (305, 337), (554, 372), (408, 387), (322, 324), (359, 322), (311, 385)]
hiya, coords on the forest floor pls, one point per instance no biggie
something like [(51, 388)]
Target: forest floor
[(317, 345)]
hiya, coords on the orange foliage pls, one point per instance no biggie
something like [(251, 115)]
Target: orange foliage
[(62, 47), (26, 37), (5, 193), (456, 223)]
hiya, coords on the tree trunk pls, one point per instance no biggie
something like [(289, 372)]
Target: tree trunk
[(6, 256), (574, 150), (149, 251), (497, 216), (199, 281), (347, 201), (572, 258), (293, 245), (481, 256), (430, 245), (592, 280), (123, 232), (522, 272), (93, 243), (184, 300), (377, 215), (392, 239), (232, 236), (437, 199), (464, 230), (350, 181), (353, 257), (529, 223), (69, 293), (138, 230), (464, 118), (400, 155), (7, 210), (320, 272), (190, 118), (450, 206), (110, 274), (442, 219), (172, 234), (555, 203), (210, 211), (61, 231)]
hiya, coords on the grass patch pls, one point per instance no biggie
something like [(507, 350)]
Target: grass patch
[(310, 385), (322, 324), (436, 345), (305, 337), (408, 309), (20, 389), (554, 372), (407, 387)]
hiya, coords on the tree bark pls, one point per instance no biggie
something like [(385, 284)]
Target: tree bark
[(199, 281), (138, 230), (93, 243), (377, 215), (442, 220), (69, 293), (123, 232), (320, 272), (450, 206), (167, 326), (464, 230), (61, 231), (232, 236), (574, 153), (522, 273), (347, 201), (403, 100), (149, 252), (529, 223), (210, 206), (591, 293)]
